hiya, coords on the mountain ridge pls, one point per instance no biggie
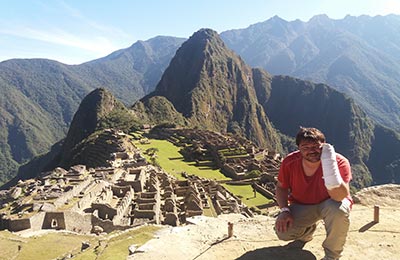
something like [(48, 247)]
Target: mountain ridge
[(320, 49)]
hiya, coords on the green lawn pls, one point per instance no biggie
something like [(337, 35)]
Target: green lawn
[(9, 244), (171, 160), (56, 245), (47, 246), (117, 247), (247, 195)]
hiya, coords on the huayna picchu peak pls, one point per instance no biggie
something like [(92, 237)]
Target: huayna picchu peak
[(213, 89)]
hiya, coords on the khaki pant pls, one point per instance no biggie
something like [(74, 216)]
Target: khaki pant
[(335, 216)]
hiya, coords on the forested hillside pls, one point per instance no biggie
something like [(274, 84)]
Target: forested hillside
[(39, 97)]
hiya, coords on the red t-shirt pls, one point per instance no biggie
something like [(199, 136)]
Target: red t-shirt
[(308, 189)]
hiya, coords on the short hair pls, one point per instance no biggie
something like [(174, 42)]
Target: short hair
[(309, 134)]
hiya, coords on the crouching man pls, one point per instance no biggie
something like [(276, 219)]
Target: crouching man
[(313, 185)]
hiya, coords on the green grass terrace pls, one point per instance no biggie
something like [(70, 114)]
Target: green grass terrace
[(56, 245), (169, 158), (172, 161)]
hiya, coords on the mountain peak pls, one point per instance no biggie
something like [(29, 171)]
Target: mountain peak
[(185, 68), (193, 59), (320, 19), (205, 33), (276, 18), (205, 39)]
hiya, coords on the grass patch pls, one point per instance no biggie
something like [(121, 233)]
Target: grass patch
[(247, 195), (9, 245), (237, 156), (172, 161), (56, 245), (117, 247), (259, 157), (47, 246)]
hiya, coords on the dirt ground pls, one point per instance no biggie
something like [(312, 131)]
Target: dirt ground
[(253, 238)]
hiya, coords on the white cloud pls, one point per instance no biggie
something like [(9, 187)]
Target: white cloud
[(71, 30), (99, 45)]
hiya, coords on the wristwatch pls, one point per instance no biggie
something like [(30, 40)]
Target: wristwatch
[(285, 209)]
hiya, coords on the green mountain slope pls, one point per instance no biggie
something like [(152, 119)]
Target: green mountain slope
[(31, 116), (384, 159)]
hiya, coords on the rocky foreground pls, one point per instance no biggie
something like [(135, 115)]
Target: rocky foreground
[(253, 238)]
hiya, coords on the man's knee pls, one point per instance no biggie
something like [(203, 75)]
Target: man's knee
[(336, 215), (335, 208), (295, 233)]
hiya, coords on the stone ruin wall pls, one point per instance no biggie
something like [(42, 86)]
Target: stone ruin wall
[(89, 197), (107, 225), (68, 220), (123, 207), (15, 225), (103, 211), (77, 222), (105, 195), (76, 189), (37, 221), (148, 206)]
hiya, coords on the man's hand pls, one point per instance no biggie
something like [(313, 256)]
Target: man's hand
[(284, 221), (330, 169)]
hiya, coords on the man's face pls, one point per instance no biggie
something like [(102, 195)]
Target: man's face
[(310, 150)]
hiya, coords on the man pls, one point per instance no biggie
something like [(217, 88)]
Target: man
[(313, 184)]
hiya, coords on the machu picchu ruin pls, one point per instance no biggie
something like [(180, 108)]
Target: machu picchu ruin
[(128, 191)]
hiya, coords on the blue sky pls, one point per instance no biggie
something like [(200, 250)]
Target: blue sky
[(75, 31)]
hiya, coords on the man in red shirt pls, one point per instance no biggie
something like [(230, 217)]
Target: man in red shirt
[(313, 185)]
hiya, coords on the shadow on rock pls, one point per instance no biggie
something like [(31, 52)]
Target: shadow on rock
[(278, 252)]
